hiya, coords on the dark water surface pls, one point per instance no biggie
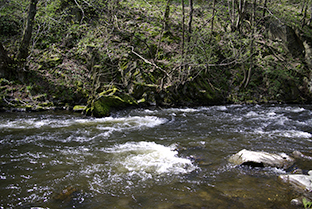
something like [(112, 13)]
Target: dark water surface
[(149, 158)]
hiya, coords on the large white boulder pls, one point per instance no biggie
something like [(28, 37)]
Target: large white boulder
[(262, 159), (300, 181)]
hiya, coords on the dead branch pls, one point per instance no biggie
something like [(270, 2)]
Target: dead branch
[(148, 62)]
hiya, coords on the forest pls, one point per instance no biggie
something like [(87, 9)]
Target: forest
[(99, 56)]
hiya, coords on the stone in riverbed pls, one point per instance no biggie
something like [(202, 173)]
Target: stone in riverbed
[(300, 155), (262, 159), (299, 181)]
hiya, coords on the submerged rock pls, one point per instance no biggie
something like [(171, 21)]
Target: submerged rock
[(65, 194), (261, 159), (300, 155), (300, 201), (299, 181)]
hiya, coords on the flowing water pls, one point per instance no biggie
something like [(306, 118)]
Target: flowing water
[(149, 158)]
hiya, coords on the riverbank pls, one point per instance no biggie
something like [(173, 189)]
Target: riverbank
[(18, 98)]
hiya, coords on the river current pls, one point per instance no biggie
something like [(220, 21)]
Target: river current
[(149, 158)]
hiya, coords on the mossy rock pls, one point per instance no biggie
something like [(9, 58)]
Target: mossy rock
[(100, 108), (113, 99), (79, 108), (198, 92)]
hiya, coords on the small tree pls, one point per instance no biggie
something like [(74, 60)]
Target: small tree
[(166, 15), (24, 47), (190, 21), (12, 67), (183, 31), (213, 14)]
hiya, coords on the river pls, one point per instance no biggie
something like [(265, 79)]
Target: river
[(149, 158)]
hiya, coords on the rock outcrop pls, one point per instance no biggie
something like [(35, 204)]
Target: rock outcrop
[(285, 33)]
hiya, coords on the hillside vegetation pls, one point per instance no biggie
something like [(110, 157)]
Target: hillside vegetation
[(119, 53)]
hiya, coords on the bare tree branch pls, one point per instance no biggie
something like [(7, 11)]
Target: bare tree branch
[(148, 62)]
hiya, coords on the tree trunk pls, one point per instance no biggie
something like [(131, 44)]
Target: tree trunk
[(254, 6), (190, 21), (24, 47), (264, 8), (241, 13), (233, 14), (166, 15), (231, 9), (252, 64), (304, 11), (310, 20), (303, 6), (213, 14), (183, 30)]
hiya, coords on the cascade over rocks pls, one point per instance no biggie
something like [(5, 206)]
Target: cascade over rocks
[(261, 159)]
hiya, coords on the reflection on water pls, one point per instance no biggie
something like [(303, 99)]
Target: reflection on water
[(149, 158)]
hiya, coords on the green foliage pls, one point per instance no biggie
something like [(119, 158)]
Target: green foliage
[(202, 48), (83, 47), (9, 26), (4, 82), (307, 204)]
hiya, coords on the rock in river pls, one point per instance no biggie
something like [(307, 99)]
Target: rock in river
[(300, 181), (261, 159)]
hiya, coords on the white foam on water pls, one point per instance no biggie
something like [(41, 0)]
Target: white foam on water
[(137, 121), (36, 123), (271, 114), (134, 165), (295, 109), (252, 114), (182, 110), (146, 159), (281, 121), (149, 111), (222, 108), (107, 124), (110, 124), (295, 134), (285, 133)]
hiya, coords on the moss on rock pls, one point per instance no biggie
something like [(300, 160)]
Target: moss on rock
[(79, 108), (109, 100)]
